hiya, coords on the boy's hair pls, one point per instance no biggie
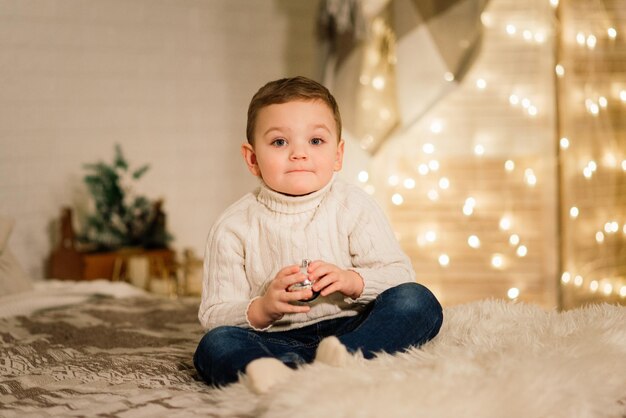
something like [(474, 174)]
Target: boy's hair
[(287, 90)]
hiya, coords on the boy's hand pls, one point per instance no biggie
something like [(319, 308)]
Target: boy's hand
[(328, 278), (277, 300)]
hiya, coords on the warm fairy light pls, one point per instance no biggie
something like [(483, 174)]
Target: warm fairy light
[(514, 239), (363, 176), (554, 3), (505, 223), (539, 37), (624, 165), (593, 286), (433, 194), (578, 281), (431, 236), (600, 237), (479, 150), (532, 110), (622, 291), (564, 143), (393, 180), (436, 126), (611, 227), (607, 288), (428, 148), (580, 38), (433, 165), (497, 261), (468, 206), (574, 212), (378, 82), (423, 169), (522, 250), (444, 260), (509, 165), (602, 101), (513, 293), (566, 277), (525, 103), (529, 177), (408, 183), (511, 29), (481, 83), (612, 33), (591, 42), (514, 99), (560, 70), (622, 95), (448, 76), (473, 241), (369, 189), (444, 183), (397, 199), (527, 35), (594, 109)]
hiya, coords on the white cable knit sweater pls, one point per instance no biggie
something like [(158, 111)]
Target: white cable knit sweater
[(265, 231)]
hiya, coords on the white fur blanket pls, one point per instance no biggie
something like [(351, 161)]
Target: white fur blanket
[(491, 359), (131, 357)]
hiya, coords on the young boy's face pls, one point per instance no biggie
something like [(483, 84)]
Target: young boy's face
[(296, 148)]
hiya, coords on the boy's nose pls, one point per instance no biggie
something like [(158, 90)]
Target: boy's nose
[(298, 153)]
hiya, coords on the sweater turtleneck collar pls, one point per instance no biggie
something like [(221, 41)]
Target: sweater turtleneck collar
[(285, 204)]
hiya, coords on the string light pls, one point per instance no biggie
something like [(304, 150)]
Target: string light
[(514, 239), (566, 277), (612, 33), (479, 150), (574, 212), (409, 183), (397, 199), (513, 293), (509, 165), (564, 143), (428, 148), (393, 180), (481, 83), (473, 241), (497, 261), (522, 251), (444, 260), (560, 70), (363, 176), (444, 183)]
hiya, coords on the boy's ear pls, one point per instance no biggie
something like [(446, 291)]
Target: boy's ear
[(339, 156), (249, 157)]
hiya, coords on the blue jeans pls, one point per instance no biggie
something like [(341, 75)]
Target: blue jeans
[(401, 317)]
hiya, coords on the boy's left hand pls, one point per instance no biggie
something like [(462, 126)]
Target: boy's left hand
[(328, 278)]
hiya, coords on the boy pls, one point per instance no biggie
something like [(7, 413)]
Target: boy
[(368, 299)]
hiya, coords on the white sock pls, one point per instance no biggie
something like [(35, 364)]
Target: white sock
[(266, 372), (332, 352)]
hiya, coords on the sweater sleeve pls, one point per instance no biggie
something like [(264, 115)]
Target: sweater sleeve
[(225, 288), (375, 252)]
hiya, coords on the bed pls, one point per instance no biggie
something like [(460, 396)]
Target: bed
[(111, 350)]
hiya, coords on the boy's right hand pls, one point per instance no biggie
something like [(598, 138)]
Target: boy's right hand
[(277, 300)]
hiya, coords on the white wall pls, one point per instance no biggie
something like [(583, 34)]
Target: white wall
[(170, 80)]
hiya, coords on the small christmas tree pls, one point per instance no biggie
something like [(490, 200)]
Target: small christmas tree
[(121, 218)]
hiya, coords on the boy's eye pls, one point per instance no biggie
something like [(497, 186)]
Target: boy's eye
[(279, 142), (317, 141)]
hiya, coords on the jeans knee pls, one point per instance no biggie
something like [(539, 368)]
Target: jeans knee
[(416, 300), (214, 346)]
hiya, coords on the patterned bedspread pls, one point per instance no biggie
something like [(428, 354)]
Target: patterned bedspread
[(106, 357)]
